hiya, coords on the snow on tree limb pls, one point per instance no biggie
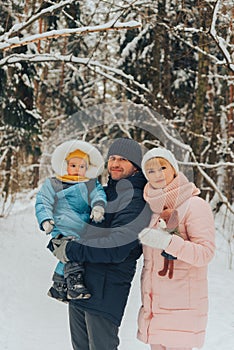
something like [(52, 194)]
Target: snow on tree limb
[(192, 46), (219, 40), (20, 26), (210, 166), (15, 58), (209, 180), (111, 25), (3, 155)]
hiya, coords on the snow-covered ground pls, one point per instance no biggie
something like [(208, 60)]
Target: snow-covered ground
[(29, 320)]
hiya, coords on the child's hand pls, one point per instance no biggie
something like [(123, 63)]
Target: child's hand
[(97, 213), (48, 226)]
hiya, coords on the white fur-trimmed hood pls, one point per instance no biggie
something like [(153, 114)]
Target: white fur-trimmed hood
[(58, 159)]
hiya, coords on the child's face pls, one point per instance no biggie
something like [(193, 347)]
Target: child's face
[(76, 166), (159, 172)]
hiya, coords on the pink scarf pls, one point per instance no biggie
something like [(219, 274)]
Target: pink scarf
[(170, 197)]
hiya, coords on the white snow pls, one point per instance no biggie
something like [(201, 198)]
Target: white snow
[(113, 25), (30, 320)]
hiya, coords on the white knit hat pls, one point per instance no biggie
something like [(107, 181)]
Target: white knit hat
[(160, 152), (96, 161)]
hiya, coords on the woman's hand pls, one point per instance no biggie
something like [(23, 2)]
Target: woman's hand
[(156, 238)]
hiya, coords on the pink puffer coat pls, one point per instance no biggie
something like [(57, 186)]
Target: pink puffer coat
[(174, 311)]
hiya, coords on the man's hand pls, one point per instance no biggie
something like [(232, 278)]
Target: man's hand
[(97, 213), (48, 226), (59, 248), (156, 238)]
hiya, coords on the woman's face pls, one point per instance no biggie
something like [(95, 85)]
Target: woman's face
[(159, 172)]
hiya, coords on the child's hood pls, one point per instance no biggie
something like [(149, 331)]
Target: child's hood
[(59, 163)]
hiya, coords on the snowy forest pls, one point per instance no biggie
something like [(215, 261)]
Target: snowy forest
[(171, 62)]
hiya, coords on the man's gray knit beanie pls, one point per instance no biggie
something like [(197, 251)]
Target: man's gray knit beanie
[(127, 148)]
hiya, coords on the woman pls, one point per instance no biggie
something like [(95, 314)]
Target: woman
[(174, 307)]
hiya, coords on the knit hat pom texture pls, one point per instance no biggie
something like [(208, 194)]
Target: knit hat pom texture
[(127, 148)]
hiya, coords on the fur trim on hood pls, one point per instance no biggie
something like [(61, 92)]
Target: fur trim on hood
[(59, 163)]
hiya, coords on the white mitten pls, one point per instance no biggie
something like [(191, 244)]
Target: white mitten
[(97, 213), (48, 226), (155, 238)]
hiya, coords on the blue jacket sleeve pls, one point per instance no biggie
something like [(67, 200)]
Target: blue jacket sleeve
[(98, 195), (45, 203)]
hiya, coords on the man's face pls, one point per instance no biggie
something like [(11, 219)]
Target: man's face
[(119, 167)]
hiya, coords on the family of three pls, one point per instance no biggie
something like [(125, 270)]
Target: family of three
[(98, 234)]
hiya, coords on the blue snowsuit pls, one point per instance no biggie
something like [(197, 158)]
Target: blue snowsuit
[(69, 205)]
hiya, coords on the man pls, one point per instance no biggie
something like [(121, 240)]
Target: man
[(109, 252)]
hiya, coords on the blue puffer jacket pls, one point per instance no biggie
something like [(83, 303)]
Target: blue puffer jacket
[(68, 204), (111, 251)]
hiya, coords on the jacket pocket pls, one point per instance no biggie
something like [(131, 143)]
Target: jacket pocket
[(175, 293)]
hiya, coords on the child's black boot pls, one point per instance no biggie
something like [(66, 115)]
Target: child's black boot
[(76, 288), (59, 288)]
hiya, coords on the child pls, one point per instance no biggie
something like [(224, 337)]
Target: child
[(174, 306), (63, 207)]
